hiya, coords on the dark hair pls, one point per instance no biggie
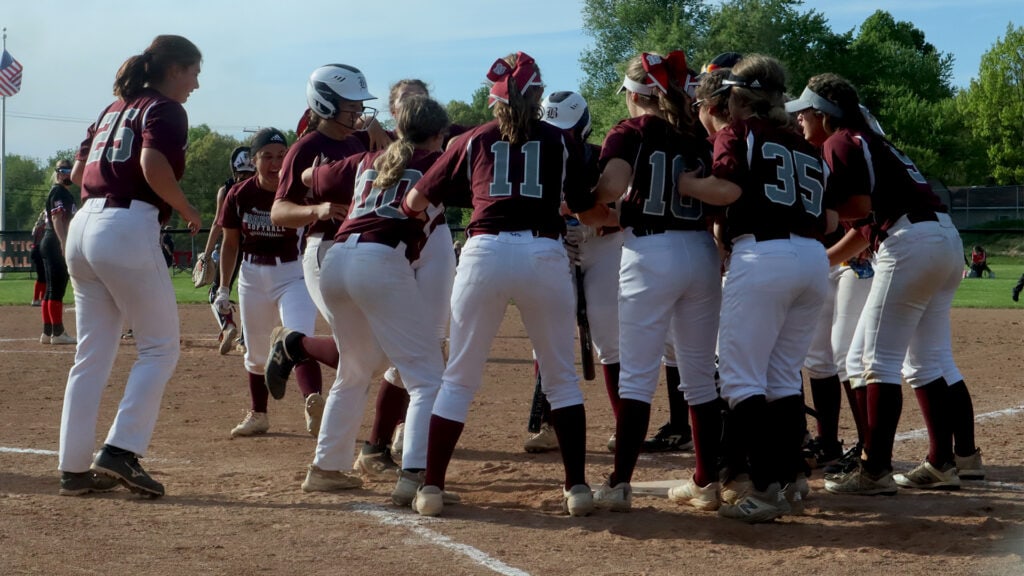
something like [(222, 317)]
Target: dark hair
[(153, 64), (419, 120), (839, 91), (397, 87), (768, 101), (711, 82), (674, 104), (518, 118)]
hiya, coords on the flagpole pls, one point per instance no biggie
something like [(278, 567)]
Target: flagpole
[(3, 155)]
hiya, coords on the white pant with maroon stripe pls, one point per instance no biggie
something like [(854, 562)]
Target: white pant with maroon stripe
[(669, 283), (532, 272), (119, 277), (268, 296), (772, 298), (377, 313)]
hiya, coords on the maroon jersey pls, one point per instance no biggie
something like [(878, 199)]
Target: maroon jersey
[(300, 156), (247, 209), (373, 213), (865, 164), (113, 148), (781, 178), (658, 154), (513, 187)]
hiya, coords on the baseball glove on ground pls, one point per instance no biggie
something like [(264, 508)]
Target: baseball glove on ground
[(202, 272)]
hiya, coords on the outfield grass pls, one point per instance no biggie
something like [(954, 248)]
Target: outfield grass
[(16, 288)]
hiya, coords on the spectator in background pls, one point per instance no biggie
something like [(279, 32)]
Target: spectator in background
[(39, 290), (167, 245), (60, 207), (979, 263)]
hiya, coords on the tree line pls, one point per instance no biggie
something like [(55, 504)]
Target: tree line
[(960, 136)]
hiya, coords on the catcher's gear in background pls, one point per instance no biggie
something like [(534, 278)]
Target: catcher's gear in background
[(203, 271), (586, 345)]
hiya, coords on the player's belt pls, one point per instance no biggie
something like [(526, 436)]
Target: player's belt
[(536, 233), (922, 216), (772, 235), (265, 260)]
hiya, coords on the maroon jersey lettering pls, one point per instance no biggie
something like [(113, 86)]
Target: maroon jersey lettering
[(658, 154), (513, 187), (247, 209), (113, 148)]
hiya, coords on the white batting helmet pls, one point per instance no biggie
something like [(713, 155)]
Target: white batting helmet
[(568, 111), (333, 82)]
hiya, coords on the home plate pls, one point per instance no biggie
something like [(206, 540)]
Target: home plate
[(655, 487)]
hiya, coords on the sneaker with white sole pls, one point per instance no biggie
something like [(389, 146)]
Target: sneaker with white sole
[(408, 482), (398, 443), (611, 444), (794, 495), (319, 480), (706, 498), (927, 477), (44, 338), (62, 339), (253, 423), (429, 501), (376, 463), (970, 467), (618, 498), (578, 500), (227, 338), (862, 483), (758, 506), (314, 413), (544, 441)]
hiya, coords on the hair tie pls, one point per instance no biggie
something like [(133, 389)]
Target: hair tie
[(525, 74)]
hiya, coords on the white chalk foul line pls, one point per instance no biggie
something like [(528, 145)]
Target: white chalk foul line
[(923, 432), (11, 450), (414, 523)]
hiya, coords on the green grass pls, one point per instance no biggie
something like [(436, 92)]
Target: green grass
[(16, 288)]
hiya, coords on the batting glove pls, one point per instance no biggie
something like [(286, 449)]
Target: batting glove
[(223, 302)]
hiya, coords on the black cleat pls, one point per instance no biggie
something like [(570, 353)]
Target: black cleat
[(819, 453), (669, 439), (125, 468), (847, 463), (82, 483), (281, 360)]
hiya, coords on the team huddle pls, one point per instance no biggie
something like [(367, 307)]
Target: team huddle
[(720, 230)]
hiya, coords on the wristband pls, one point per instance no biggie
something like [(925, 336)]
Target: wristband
[(224, 291)]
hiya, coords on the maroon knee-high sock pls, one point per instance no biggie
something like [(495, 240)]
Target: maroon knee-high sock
[(570, 425), (611, 384), (884, 406), (392, 402), (750, 419), (630, 431), (323, 349), (961, 418), (56, 315), (859, 418), (786, 416), (827, 398), (443, 436), (707, 437), (308, 377), (933, 398), (39, 290), (678, 409), (47, 321), (258, 392)]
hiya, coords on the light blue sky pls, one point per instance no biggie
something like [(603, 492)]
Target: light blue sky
[(258, 54)]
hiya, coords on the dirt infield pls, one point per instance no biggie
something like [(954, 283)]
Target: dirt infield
[(235, 507)]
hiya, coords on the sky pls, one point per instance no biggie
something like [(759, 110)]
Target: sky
[(258, 54)]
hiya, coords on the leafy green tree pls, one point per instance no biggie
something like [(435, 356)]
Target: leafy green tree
[(473, 113), (207, 164), (26, 185), (994, 105)]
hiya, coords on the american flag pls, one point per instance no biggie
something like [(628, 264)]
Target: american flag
[(10, 75)]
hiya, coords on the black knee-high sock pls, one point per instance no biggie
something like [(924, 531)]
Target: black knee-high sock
[(786, 417), (827, 397), (859, 419), (630, 430), (707, 438), (961, 418), (611, 385), (933, 398), (678, 408), (570, 425), (734, 455), (750, 418), (884, 406)]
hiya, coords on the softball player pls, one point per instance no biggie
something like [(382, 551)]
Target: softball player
[(60, 207), (904, 330), (128, 168), (241, 168), (772, 182), (270, 286), (335, 94), (668, 270), (515, 168), (375, 247)]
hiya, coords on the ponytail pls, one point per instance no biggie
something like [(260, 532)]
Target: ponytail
[(153, 64), (419, 119)]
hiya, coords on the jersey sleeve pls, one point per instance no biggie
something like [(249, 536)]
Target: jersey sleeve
[(299, 157), (849, 173), (728, 160), (166, 130), (449, 176), (335, 182), (229, 216), (623, 142), (575, 188)]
